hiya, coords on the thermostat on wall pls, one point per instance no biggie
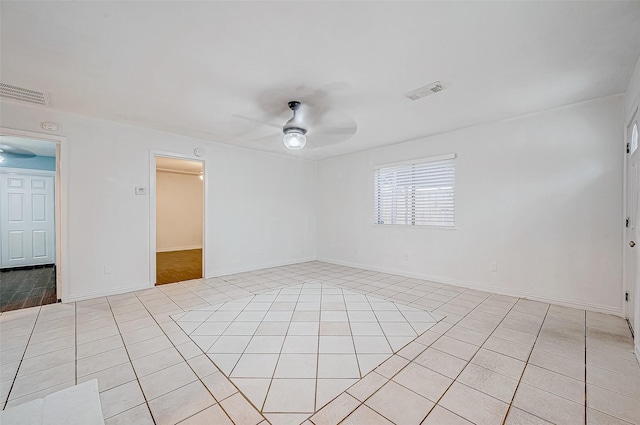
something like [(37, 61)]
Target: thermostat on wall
[(198, 151)]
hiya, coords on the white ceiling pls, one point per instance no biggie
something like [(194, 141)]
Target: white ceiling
[(38, 147), (189, 67)]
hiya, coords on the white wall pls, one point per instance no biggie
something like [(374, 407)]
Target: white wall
[(261, 211), (632, 95), (632, 101), (539, 195), (179, 207)]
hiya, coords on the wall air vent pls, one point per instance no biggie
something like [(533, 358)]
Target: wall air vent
[(425, 91), (20, 94)]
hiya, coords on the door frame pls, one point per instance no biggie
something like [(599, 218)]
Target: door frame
[(61, 218), (627, 253), (152, 207)]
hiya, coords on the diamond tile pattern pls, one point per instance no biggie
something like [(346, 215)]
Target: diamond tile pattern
[(527, 354), (292, 350)]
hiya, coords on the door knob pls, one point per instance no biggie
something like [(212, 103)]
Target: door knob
[(632, 244)]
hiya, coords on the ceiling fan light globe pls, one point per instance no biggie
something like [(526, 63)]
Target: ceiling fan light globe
[(294, 140)]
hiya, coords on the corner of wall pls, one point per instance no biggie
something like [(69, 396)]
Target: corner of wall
[(632, 94)]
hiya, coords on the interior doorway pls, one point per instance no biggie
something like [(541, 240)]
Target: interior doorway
[(632, 249), (28, 222), (179, 219)]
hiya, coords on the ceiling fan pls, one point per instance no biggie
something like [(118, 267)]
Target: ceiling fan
[(294, 130), (313, 123)]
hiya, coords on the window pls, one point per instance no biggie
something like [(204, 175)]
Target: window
[(420, 193)]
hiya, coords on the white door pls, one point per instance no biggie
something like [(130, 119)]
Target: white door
[(632, 248), (27, 221)]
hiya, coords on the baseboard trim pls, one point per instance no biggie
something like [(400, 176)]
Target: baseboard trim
[(107, 292), (617, 311), (219, 273), (438, 279), (179, 248)]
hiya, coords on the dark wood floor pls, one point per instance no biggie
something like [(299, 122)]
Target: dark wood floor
[(176, 266), (22, 288)]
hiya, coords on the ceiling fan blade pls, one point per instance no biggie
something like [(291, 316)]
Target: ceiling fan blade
[(331, 128), (316, 114), (241, 127), (256, 121), (350, 130), (274, 101), (270, 137), (270, 143), (12, 150)]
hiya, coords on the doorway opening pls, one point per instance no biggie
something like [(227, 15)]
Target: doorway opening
[(632, 230), (28, 222), (179, 223)]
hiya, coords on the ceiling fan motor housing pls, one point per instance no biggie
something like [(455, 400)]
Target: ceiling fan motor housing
[(294, 125)]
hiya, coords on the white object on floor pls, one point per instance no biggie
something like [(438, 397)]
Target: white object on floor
[(77, 405)]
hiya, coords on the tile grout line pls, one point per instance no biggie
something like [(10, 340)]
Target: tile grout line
[(185, 361), (366, 297), (198, 327), (245, 283), (318, 351), (218, 402), (44, 354), (362, 403), (264, 403), (35, 322), (353, 341), (129, 357), (526, 363), (315, 396), (454, 379)]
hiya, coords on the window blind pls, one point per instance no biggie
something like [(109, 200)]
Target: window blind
[(418, 194)]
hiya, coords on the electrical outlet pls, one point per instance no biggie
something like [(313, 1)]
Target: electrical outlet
[(107, 269), (141, 190), (493, 267)]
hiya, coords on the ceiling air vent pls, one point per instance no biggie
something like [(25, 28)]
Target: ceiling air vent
[(19, 94), (425, 91)]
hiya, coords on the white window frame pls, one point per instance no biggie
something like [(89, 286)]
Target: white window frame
[(420, 161)]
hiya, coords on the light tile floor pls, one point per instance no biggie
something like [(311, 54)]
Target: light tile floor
[(492, 360), (292, 350)]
